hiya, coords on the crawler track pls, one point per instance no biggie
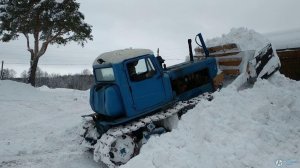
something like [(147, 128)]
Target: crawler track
[(102, 146)]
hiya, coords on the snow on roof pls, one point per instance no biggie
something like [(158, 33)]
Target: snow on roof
[(285, 39), (121, 55), (248, 39)]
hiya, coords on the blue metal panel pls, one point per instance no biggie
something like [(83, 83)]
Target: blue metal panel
[(113, 102), (167, 87), (190, 67), (97, 100), (122, 83), (124, 120), (187, 76), (148, 93), (107, 101)]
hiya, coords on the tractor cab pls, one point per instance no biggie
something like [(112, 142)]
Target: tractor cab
[(128, 83), (131, 83)]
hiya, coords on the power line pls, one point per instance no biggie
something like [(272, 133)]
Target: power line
[(78, 64), (47, 64)]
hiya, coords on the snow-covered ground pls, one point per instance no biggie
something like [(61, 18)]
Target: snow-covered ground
[(39, 127), (253, 127)]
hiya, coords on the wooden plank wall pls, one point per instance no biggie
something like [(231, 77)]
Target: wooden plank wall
[(290, 62), (223, 53), (289, 58)]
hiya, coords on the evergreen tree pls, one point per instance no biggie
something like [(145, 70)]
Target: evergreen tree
[(42, 22)]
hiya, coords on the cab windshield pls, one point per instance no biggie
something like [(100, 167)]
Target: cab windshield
[(104, 74)]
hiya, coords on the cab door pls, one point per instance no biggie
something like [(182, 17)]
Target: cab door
[(146, 84)]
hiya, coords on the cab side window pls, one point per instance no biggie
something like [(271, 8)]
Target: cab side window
[(141, 69)]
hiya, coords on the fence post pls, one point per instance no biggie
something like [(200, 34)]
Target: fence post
[(2, 70)]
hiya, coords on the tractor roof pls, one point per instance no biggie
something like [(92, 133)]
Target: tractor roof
[(118, 56)]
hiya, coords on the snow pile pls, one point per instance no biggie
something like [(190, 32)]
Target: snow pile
[(249, 43), (40, 127), (245, 39), (253, 127)]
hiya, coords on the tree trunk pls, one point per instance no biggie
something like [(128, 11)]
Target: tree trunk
[(32, 71)]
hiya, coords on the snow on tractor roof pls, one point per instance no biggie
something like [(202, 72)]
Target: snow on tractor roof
[(118, 56)]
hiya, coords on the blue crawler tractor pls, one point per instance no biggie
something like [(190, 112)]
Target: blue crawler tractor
[(134, 93)]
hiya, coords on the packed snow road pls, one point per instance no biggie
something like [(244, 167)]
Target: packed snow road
[(253, 127)]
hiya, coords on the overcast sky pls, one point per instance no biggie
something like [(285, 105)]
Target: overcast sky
[(164, 24)]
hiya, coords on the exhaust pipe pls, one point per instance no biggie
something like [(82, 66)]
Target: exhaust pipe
[(191, 50)]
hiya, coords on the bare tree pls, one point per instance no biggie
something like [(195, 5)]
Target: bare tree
[(9, 73), (86, 72), (24, 75)]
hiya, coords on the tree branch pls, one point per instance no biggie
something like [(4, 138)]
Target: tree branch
[(55, 36), (28, 43), (43, 49), (28, 46), (36, 33), (46, 43), (49, 34)]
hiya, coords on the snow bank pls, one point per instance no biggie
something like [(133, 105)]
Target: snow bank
[(249, 44), (248, 128), (245, 39), (40, 127)]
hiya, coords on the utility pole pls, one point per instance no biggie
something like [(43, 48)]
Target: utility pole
[(2, 70)]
